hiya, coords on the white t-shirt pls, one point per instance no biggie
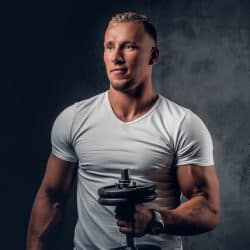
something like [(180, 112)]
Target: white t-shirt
[(151, 146)]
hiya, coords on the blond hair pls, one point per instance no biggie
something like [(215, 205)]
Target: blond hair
[(135, 17)]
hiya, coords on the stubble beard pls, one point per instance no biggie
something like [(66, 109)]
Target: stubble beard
[(125, 86)]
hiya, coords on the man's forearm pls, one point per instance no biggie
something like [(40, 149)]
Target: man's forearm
[(34, 243), (194, 216), (45, 216)]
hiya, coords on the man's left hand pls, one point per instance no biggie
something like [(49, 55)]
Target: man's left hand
[(137, 223)]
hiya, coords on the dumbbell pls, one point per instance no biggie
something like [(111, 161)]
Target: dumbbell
[(126, 194)]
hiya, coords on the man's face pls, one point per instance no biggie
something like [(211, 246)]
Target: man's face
[(127, 54)]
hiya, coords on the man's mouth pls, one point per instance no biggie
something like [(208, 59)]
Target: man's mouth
[(118, 70)]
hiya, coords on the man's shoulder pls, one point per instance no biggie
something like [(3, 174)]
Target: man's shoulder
[(173, 110), (85, 105), (90, 102), (179, 115)]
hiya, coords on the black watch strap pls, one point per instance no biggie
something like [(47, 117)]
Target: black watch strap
[(156, 225)]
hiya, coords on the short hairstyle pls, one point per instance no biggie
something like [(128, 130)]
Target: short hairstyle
[(134, 17)]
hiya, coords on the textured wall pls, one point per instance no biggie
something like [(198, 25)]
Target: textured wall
[(52, 54)]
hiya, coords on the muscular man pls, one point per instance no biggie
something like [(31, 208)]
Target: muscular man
[(128, 126)]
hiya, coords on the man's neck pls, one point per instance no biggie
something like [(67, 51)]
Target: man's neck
[(129, 106)]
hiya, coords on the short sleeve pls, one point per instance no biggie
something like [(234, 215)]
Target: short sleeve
[(193, 142), (61, 140)]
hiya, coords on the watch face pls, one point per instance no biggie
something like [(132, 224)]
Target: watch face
[(157, 228), (157, 225)]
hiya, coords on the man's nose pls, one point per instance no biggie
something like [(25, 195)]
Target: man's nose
[(117, 57)]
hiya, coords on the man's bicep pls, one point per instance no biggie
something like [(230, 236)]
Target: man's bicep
[(201, 181), (58, 176)]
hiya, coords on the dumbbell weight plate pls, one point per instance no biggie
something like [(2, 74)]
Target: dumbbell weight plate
[(113, 191), (133, 200)]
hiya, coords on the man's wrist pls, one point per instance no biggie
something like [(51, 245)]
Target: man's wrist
[(156, 225)]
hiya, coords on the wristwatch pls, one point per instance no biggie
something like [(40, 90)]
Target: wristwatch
[(156, 225)]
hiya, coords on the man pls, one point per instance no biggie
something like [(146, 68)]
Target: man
[(129, 126)]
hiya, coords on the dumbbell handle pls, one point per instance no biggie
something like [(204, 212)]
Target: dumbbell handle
[(126, 212), (124, 181), (130, 241)]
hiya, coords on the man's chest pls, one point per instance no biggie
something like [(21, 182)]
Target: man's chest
[(114, 147)]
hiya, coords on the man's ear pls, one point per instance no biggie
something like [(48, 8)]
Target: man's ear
[(155, 55)]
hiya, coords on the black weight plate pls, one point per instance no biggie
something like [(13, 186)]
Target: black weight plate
[(143, 199), (136, 195), (112, 201), (133, 196), (114, 191), (132, 200)]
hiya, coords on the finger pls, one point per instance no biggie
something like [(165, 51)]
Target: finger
[(124, 223), (125, 218), (126, 230), (125, 226)]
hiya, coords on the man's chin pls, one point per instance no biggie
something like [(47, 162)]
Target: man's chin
[(122, 86)]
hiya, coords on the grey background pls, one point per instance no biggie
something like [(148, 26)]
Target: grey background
[(52, 56)]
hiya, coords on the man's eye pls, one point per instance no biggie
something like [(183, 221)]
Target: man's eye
[(108, 47), (129, 46)]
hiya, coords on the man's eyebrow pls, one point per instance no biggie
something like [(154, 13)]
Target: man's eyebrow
[(131, 42), (108, 43), (123, 42)]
